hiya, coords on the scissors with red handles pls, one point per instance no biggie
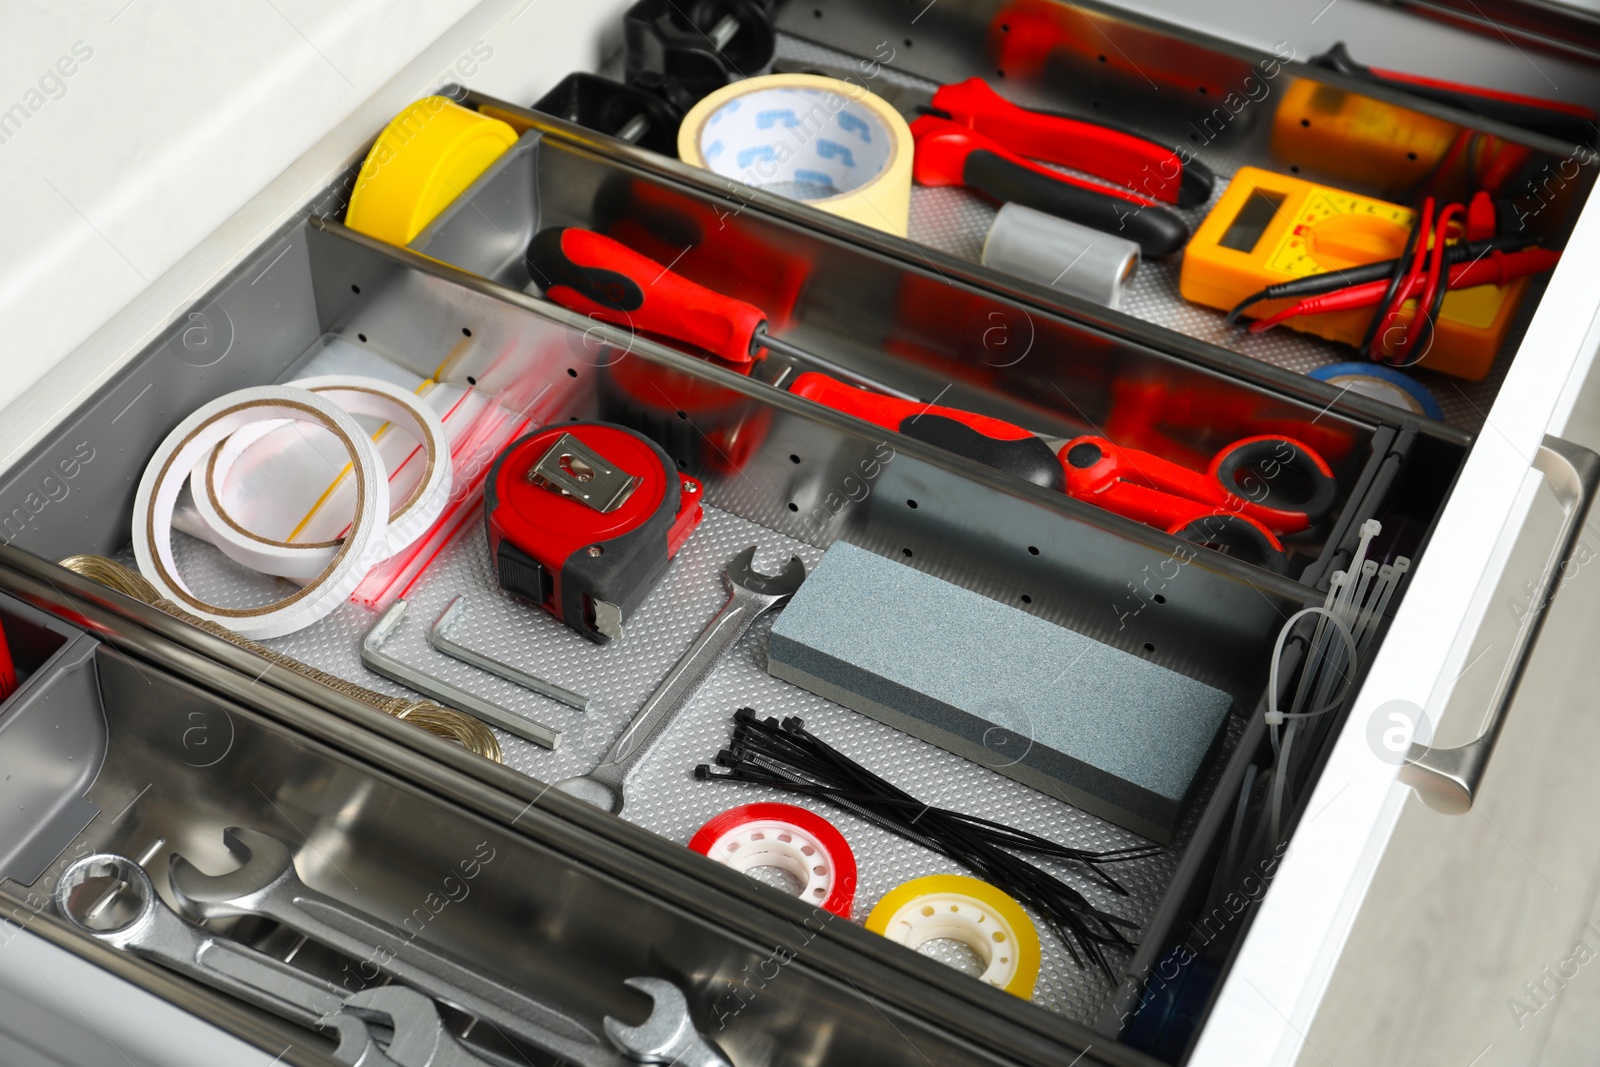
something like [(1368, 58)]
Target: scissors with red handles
[(1236, 505)]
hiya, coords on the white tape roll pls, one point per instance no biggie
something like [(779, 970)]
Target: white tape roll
[(302, 561), (197, 435), (827, 142)]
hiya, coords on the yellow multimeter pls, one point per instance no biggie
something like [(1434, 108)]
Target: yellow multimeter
[(1269, 228)]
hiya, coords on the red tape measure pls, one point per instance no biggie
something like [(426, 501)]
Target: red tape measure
[(583, 519), (800, 842)]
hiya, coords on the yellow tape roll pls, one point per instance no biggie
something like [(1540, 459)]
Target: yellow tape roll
[(426, 157), (826, 142), (958, 908)]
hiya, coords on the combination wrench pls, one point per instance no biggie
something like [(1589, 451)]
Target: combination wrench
[(419, 1038), (267, 884), (160, 935), (751, 594)]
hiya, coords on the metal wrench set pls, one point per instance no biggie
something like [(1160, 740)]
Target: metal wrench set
[(112, 898)]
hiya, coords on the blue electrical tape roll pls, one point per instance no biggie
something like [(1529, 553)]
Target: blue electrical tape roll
[(1381, 383)]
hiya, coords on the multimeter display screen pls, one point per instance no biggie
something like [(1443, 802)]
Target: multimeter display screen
[(1251, 221)]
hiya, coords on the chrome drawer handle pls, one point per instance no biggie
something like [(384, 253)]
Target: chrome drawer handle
[(1448, 779)]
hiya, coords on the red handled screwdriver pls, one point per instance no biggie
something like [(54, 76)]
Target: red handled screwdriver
[(593, 274), (605, 279)]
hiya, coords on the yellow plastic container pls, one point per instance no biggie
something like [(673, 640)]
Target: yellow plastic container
[(425, 158)]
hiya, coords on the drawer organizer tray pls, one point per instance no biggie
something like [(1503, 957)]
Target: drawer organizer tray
[(1215, 98), (173, 764), (319, 285), (923, 326)]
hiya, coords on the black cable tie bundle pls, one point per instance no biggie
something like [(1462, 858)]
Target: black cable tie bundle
[(784, 755)]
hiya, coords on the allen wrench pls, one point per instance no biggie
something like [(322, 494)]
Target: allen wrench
[(443, 692), (442, 641)]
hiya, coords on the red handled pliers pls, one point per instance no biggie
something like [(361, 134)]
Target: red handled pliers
[(967, 134)]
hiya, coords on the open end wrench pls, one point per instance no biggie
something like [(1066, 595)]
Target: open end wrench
[(266, 884), (357, 1045), (750, 595), (160, 935), (420, 1038), (668, 1036)]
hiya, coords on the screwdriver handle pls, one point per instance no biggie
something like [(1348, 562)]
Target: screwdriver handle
[(605, 279), (990, 441)]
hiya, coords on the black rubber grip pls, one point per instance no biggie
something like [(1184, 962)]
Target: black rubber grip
[(1563, 126), (1157, 231), (1029, 458), (1233, 535), (1195, 183), (553, 266)]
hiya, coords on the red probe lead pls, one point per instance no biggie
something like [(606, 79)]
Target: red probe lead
[(1493, 268), (1422, 321)]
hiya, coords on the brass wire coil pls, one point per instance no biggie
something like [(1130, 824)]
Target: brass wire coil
[(448, 723)]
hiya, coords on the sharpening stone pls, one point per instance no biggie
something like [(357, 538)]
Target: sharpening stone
[(1100, 728)]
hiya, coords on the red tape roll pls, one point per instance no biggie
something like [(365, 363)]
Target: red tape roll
[(800, 842)]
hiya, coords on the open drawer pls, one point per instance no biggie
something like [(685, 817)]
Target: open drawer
[(1218, 626)]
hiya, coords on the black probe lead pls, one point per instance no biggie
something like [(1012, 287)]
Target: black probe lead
[(1331, 281), (1398, 273)]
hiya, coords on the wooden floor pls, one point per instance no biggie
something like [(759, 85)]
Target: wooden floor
[(1466, 909)]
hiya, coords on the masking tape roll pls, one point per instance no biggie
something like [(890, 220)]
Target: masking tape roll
[(197, 435), (302, 561), (822, 141), (426, 157), (957, 908), (799, 842)]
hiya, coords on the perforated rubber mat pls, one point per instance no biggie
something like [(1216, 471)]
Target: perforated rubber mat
[(663, 795)]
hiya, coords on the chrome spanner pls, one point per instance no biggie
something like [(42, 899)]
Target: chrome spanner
[(357, 1047), (668, 1036), (266, 884), (420, 1038), (160, 935), (157, 933), (751, 594)]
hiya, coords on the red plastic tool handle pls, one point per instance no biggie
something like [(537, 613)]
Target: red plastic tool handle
[(949, 153), (1143, 486), (1146, 488), (603, 278), (993, 442), (1095, 466), (890, 411), (943, 147), (1120, 158), (8, 670)]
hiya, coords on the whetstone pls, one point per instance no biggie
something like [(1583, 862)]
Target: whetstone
[(1105, 730)]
